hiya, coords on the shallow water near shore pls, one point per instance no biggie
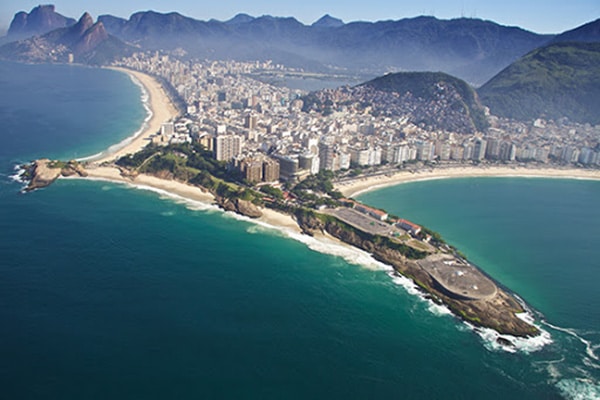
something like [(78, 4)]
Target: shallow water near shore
[(109, 291)]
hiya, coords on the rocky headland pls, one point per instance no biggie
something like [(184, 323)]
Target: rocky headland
[(480, 301), (43, 172)]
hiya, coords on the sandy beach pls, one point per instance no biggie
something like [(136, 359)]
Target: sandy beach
[(360, 185), (161, 108), (184, 191)]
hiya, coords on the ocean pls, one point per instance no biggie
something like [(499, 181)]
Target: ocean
[(109, 291)]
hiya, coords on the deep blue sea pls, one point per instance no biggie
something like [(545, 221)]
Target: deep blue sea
[(108, 291)]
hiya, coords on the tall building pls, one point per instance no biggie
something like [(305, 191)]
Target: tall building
[(250, 121), (479, 150), (508, 151), (309, 161), (425, 151), (252, 170), (228, 146), (326, 156), (492, 151), (270, 170), (288, 166), (167, 129)]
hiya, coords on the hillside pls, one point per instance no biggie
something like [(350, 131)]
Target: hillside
[(589, 32), (84, 42), (560, 80), (40, 20), (433, 100), (472, 49)]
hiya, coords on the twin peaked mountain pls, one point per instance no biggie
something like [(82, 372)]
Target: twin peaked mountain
[(83, 41), (471, 49)]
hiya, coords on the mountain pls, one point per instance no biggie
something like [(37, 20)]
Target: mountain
[(84, 42), (553, 82), (472, 49), (327, 21), (240, 19), (589, 32), (42, 19), (432, 100)]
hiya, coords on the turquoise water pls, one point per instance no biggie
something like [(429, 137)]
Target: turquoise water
[(110, 292)]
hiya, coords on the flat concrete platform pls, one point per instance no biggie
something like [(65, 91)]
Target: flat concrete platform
[(364, 222), (459, 279)]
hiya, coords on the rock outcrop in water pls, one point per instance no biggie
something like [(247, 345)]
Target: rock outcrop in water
[(239, 206), (492, 307), (44, 172)]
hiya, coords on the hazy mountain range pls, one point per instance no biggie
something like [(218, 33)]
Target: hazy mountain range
[(470, 49)]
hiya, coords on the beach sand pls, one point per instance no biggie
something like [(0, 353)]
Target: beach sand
[(161, 108), (184, 191), (360, 185)]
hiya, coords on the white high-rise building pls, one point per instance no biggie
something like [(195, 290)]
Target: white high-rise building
[(228, 147)]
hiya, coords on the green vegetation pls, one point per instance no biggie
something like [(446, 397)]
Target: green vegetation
[(560, 80), (436, 238), (272, 191), (190, 163), (426, 84), (57, 164), (319, 183), (468, 317), (381, 241)]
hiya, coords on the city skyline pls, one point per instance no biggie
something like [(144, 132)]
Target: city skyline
[(537, 16)]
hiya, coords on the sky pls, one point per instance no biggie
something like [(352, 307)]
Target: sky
[(541, 16)]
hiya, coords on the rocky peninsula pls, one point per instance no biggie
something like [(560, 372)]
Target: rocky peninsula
[(446, 277), (437, 268), (44, 172)]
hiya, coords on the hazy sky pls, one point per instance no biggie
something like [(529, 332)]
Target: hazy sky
[(542, 16)]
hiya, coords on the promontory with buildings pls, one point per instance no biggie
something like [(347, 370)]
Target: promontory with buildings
[(254, 145)]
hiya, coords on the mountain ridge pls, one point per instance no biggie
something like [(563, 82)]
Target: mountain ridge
[(40, 20), (561, 80), (471, 49), (82, 42)]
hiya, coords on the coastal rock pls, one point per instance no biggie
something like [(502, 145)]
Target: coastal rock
[(239, 206), (497, 311), (247, 208), (42, 173), (73, 168)]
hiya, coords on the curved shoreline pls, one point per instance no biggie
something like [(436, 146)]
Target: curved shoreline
[(159, 109), (162, 110), (360, 185)]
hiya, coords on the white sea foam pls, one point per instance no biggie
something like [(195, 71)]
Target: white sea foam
[(125, 142), (359, 257), (494, 341), (18, 175), (579, 389), (589, 346)]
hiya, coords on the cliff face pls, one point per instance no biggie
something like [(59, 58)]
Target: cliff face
[(40, 20), (497, 312), (239, 206), (84, 41), (44, 172)]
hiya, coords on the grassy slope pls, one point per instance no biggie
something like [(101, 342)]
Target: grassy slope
[(560, 80)]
